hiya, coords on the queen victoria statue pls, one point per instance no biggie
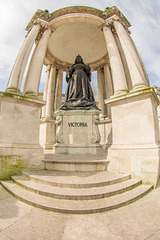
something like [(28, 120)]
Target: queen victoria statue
[(79, 94)]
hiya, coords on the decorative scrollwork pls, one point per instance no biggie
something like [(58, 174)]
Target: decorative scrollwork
[(95, 138), (59, 129), (58, 120)]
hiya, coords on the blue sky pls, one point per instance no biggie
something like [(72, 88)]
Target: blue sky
[(144, 16)]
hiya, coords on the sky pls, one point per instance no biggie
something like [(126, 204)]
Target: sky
[(144, 16)]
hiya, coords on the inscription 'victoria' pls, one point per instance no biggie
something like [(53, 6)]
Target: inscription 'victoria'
[(77, 124)]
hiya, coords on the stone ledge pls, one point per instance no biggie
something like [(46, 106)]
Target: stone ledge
[(133, 94), (20, 99)]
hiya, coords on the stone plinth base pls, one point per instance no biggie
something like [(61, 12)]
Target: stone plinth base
[(59, 149), (135, 128), (19, 130), (75, 162), (77, 132), (47, 133)]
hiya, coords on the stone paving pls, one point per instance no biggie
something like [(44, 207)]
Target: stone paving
[(139, 220)]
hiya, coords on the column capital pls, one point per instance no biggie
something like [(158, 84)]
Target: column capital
[(110, 23), (48, 68), (42, 24), (53, 66), (100, 67), (43, 28)]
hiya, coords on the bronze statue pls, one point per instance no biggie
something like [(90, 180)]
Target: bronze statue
[(79, 94)]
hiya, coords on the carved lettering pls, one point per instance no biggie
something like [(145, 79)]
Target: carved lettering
[(77, 124)]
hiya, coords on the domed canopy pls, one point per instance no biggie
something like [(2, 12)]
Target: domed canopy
[(76, 30)]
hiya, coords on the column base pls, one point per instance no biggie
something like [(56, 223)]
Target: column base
[(139, 87), (13, 90), (31, 94), (119, 93)]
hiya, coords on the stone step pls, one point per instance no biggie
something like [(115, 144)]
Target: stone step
[(75, 193), (83, 166), (75, 206), (75, 162), (75, 157), (76, 179)]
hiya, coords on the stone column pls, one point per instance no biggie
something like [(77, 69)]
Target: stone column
[(48, 69), (108, 85), (101, 89), (17, 72), (118, 75), (58, 95), (35, 67), (51, 93), (137, 73)]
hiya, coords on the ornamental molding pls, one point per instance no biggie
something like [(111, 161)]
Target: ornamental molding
[(48, 68), (104, 15), (43, 26), (110, 23)]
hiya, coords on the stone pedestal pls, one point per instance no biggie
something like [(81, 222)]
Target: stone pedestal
[(135, 147), (47, 133), (77, 132), (19, 130)]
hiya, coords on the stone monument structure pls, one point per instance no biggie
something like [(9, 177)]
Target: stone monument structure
[(129, 123)]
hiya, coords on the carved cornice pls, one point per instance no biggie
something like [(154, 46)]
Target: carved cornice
[(48, 17)]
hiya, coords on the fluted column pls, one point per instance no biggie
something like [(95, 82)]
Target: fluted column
[(48, 69), (18, 69), (35, 67), (118, 75), (138, 76), (51, 93), (108, 81), (58, 95), (101, 88), (108, 85)]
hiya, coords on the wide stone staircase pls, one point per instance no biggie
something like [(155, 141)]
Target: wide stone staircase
[(72, 186)]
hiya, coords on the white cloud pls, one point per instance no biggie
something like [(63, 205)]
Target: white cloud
[(143, 15)]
